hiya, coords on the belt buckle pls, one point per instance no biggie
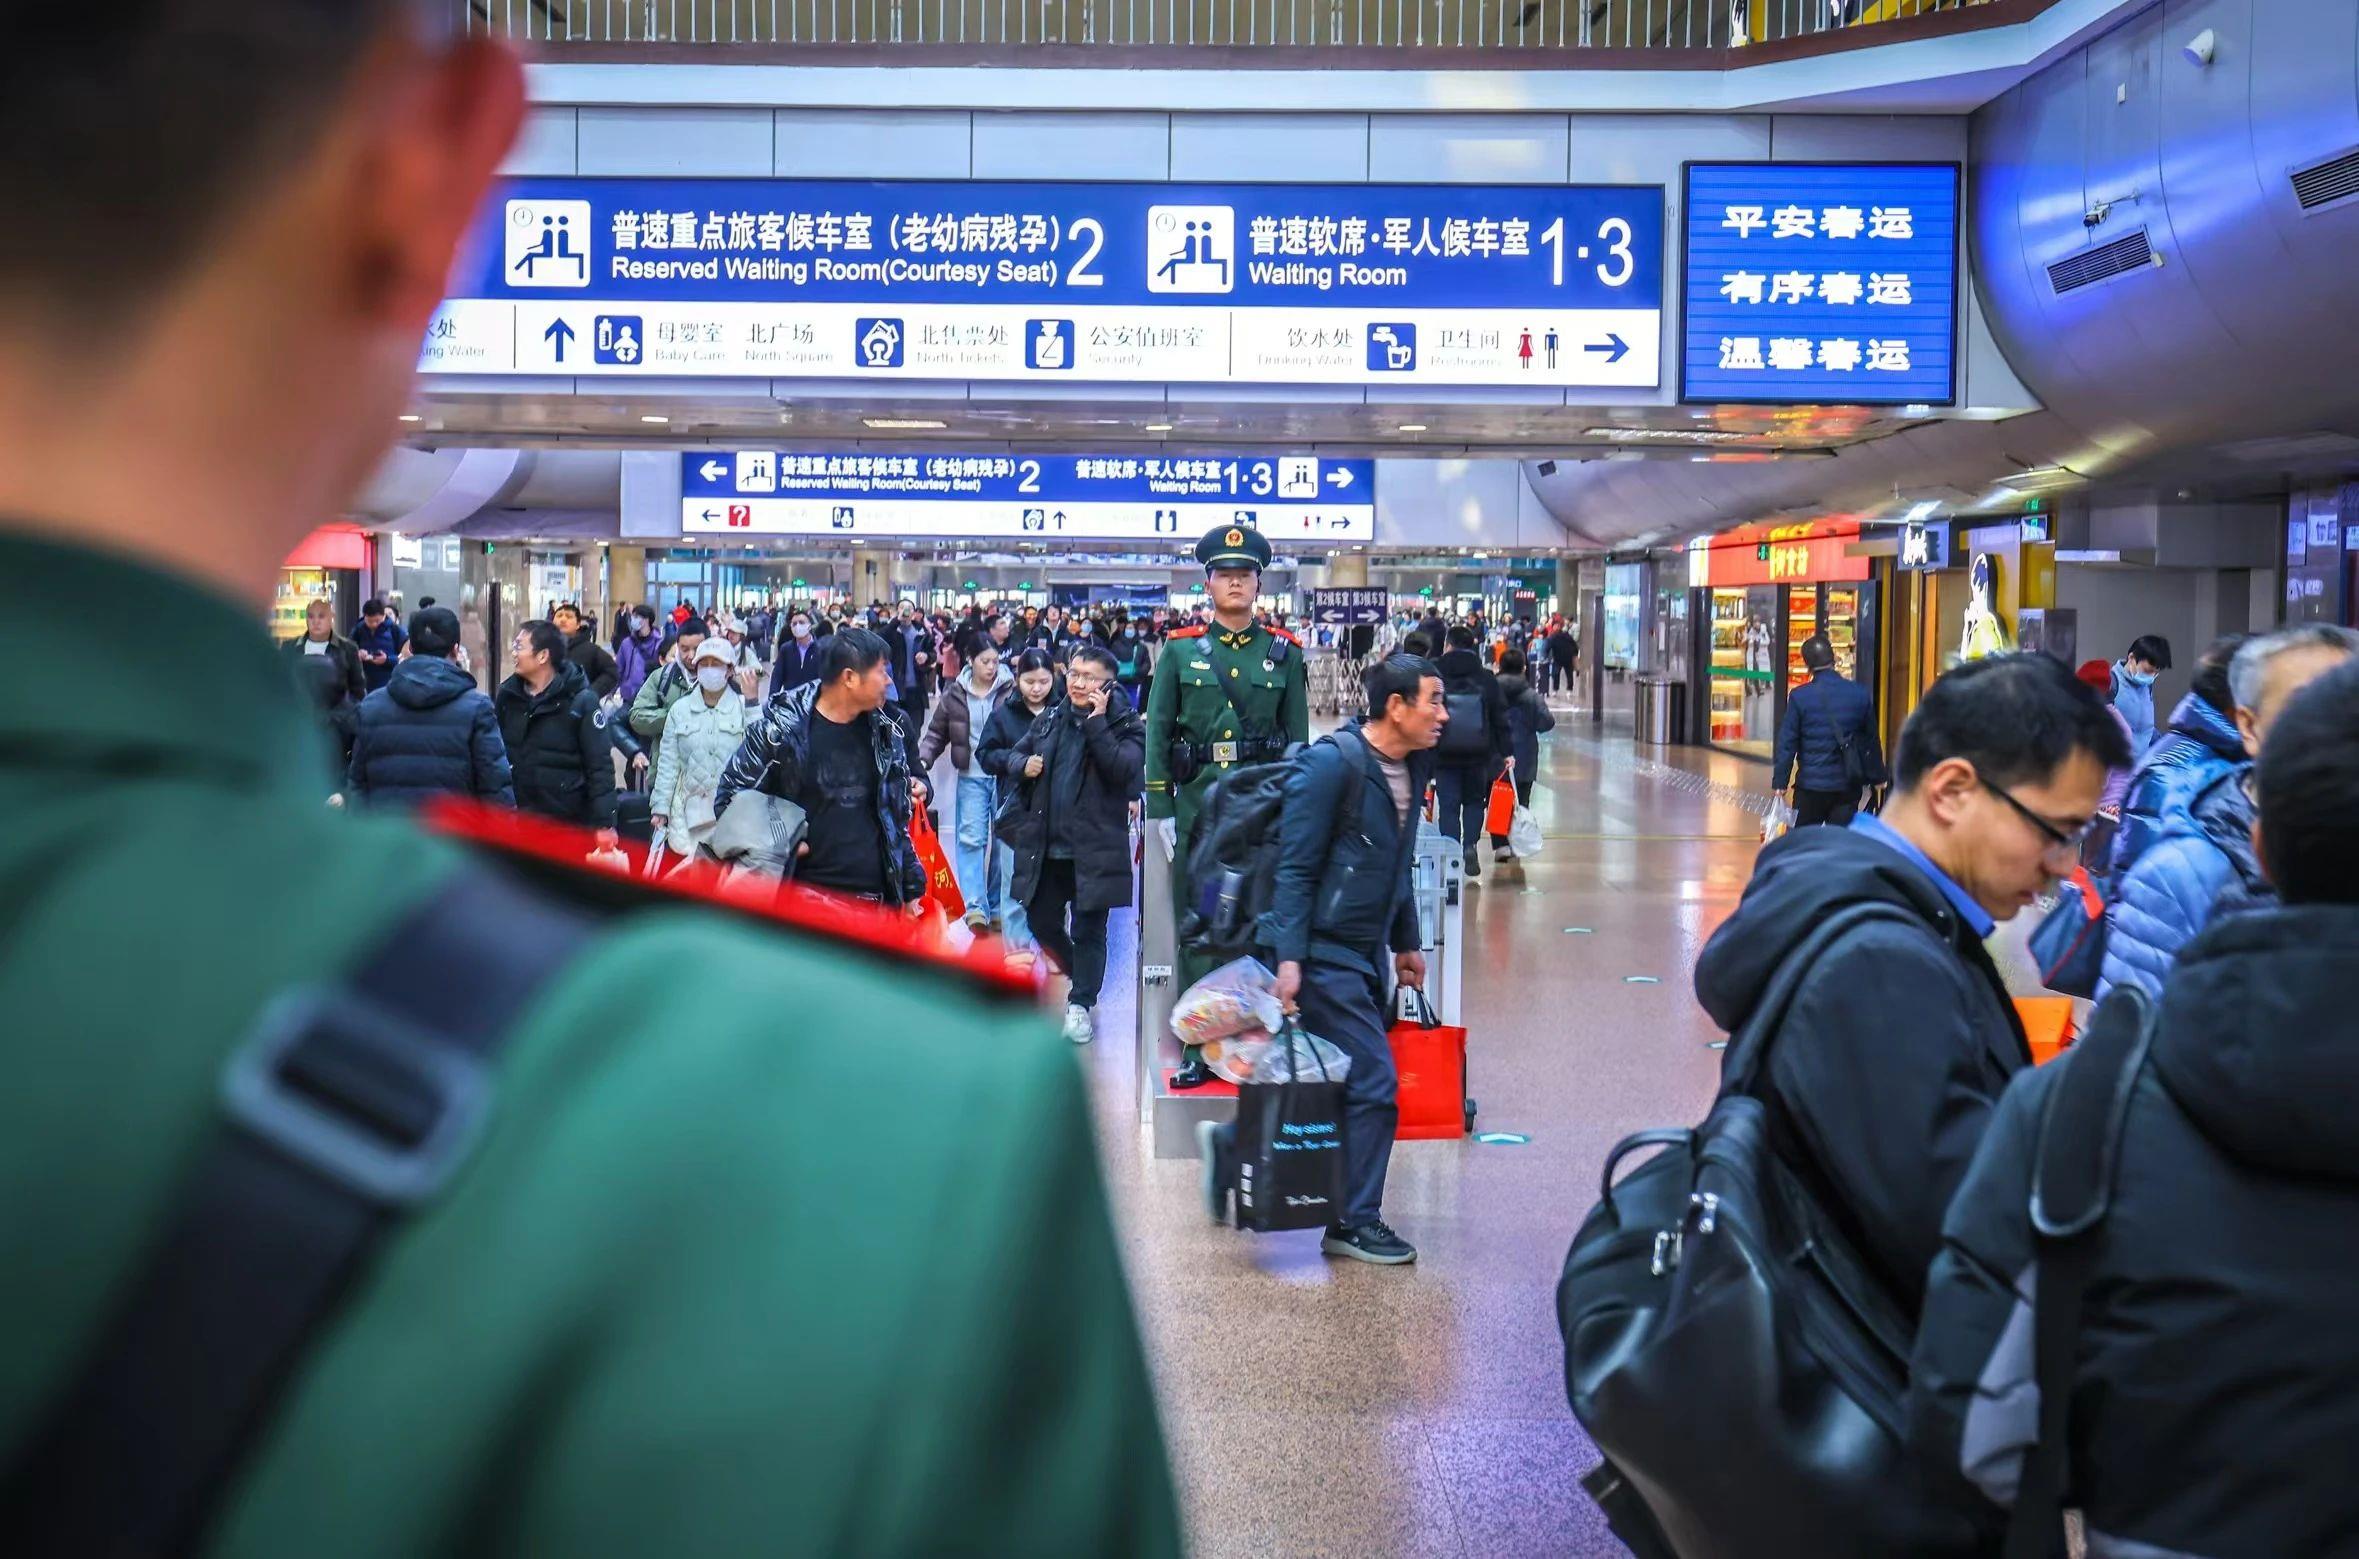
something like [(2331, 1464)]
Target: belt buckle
[(1224, 752)]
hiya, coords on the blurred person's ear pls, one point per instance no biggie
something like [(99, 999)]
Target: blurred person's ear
[(422, 133)]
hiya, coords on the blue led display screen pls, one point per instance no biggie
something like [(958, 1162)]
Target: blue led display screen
[(1821, 283)]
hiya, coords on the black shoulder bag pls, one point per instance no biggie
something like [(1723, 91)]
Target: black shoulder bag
[(352, 1104)]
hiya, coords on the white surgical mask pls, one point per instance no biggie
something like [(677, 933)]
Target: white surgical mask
[(802, 630), (712, 678)]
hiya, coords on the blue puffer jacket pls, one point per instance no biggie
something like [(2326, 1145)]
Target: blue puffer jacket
[(2201, 745), (429, 731), (1819, 712), (2203, 858), (2135, 700)]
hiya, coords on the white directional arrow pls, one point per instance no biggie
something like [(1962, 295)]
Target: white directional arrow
[(712, 470), (1341, 476)]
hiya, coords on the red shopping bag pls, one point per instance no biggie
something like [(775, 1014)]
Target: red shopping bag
[(1500, 815), (941, 882), (1429, 1057)]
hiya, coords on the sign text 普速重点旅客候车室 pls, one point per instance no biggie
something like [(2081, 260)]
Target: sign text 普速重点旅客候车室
[(1168, 500), (1542, 285), (1820, 283)]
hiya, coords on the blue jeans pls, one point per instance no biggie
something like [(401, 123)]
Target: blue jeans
[(1015, 930), (978, 884)]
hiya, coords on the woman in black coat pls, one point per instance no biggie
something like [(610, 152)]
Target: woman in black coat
[(1077, 771), (995, 751)]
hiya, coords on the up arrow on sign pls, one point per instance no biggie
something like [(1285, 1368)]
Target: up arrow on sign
[(712, 470)]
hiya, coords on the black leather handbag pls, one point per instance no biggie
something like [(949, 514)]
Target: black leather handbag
[(1741, 1369)]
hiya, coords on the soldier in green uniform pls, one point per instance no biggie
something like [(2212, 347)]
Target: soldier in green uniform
[(670, 1263), (1231, 693)]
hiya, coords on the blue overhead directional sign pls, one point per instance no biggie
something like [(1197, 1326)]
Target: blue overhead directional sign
[(1294, 500), (1821, 283), (1541, 285)]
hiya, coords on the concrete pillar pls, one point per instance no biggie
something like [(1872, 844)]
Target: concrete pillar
[(1568, 586), (626, 572), (1347, 571), (872, 577), (485, 632)]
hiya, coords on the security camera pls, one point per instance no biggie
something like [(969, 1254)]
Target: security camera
[(2200, 48), (2097, 213)]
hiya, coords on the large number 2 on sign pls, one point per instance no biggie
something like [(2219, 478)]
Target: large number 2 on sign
[(1081, 275)]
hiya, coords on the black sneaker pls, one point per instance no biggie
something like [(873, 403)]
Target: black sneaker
[(1210, 1177), (1474, 861), (1194, 1075), (1372, 1242)]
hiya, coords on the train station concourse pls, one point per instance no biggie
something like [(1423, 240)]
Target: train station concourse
[(1243, 777)]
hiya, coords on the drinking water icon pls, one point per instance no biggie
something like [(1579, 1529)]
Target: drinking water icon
[(548, 243), (619, 340), (1191, 248), (1392, 347)]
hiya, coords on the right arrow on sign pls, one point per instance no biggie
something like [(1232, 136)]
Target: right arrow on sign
[(1613, 347), (1341, 478)]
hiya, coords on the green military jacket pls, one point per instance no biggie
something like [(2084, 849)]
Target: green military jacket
[(769, 1249), (1187, 702)]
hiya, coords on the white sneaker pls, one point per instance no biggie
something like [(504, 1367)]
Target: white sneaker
[(1080, 1027)]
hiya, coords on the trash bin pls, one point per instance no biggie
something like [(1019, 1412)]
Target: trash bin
[(1662, 711)]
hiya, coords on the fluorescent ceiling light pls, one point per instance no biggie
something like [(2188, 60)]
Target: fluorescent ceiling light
[(904, 424), (1671, 436), (652, 417), (1922, 511), (1412, 427), (408, 416), (1158, 427)]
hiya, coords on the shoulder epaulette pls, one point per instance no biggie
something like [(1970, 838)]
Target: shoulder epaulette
[(1280, 633), (554, 857), (1185, 633)]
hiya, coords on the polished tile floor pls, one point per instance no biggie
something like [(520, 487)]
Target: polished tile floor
[(1325, 1407)]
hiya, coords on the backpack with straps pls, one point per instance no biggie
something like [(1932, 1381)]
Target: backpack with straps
[(350, 1105), (1233, 856), (1738, 1364)]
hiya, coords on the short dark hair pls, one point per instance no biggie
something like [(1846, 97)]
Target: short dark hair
[(2017, 718), (1817, 653), (434, 631), (1095, 656), (1034, 660), (693, 624), (1514, 664), (2212, 681), (1460, 637), (1400, 675), (2308, 772), (150, 130), (371, 607), (2153, 649), (425, 601), (546, 640), (1417, 644), (851, 649), (565, 606)]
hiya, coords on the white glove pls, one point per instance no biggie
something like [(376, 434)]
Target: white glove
[(1168, 828)]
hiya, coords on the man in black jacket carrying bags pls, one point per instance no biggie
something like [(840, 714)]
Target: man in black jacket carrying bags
[(1881, 1079), (1342, 916)]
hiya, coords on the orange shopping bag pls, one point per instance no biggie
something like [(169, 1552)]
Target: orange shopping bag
[(941, 883), (1429, 1061), (1500, 815)]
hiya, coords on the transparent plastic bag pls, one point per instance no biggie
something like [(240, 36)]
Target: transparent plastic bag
[(1237, 996), (1258, 1056), (1523, 836), (1778, 823)]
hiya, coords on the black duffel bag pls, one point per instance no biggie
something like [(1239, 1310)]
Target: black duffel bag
[(1741, 1369)]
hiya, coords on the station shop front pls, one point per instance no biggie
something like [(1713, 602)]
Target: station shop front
[(328, 566), (1755, 594)]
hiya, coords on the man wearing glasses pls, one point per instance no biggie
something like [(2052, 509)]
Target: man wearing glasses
[(1901, 1036)]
